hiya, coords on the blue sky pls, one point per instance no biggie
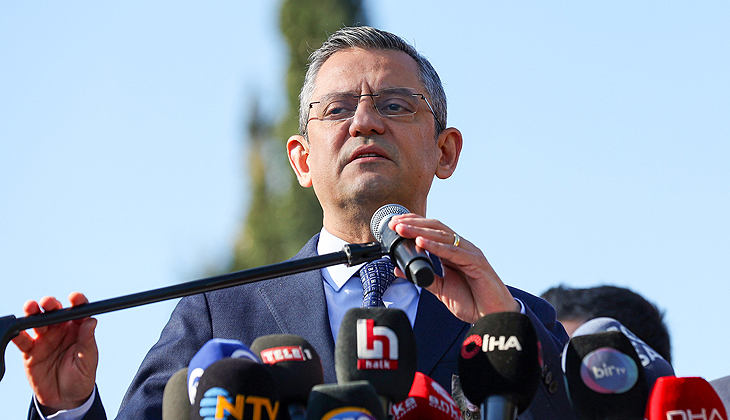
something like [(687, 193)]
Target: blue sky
[(595, 152)]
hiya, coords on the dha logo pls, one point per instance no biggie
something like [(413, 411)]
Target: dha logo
[(275, 355), (688, 415), (488, 343), (349, 413), (217, 404), (608, 371), (377, 347)]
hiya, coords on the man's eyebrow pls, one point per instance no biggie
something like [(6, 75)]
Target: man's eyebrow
[(336, 95), (339, 95)]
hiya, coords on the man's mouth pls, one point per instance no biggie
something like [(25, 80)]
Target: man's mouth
[(367, 155)]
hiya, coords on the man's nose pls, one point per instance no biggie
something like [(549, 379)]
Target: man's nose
[(367, 120)]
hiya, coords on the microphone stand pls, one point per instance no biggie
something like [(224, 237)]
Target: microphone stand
[(351, 254)]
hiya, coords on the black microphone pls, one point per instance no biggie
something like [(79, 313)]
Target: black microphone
[(413, 262), (377, 345), (236, 388), (175, 400), (295, 366), (499, 364), (655, 366), (353, 400), (604, 377)]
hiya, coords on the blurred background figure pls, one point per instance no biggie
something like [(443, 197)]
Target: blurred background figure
[(575, 306)]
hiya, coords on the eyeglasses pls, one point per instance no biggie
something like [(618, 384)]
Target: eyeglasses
[(393, 102)]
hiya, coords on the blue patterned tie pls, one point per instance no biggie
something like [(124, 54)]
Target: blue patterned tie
[(376, 276)]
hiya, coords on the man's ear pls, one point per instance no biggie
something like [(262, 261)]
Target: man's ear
[(449, 142), (297, 148)]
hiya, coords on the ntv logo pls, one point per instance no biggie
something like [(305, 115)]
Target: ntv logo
[(377, 347)]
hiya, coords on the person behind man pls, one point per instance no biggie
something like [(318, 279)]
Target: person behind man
[(574, 306), (372, 132)]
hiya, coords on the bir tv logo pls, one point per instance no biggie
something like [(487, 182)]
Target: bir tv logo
[(377, 347)]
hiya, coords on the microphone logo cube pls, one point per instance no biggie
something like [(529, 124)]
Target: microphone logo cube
[(377, 346)]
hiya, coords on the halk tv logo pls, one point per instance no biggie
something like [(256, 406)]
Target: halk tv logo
[(377, 347)]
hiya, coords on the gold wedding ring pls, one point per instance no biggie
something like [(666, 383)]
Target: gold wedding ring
[(457, 239)]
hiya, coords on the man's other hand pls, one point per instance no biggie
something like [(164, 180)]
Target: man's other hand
[(60, 360)]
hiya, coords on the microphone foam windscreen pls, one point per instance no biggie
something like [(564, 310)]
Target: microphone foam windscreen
[(353, 400), (382, 216), (655, 366), (604, 377), (426, 400), (292, 362), (377, 345), (236, 389), (501, 356), (175, 400), (213, 350), (684, 398)]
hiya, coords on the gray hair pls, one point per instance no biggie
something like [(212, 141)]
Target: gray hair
[(369, 38)]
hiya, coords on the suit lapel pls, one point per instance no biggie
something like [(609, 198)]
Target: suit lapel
[(298, 305), (436, 330)]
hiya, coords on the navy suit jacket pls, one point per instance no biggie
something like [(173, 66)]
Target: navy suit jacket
[(296, 304)]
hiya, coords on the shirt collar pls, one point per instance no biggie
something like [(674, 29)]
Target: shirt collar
[(335, 275)]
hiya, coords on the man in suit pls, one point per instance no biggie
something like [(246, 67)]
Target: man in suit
[(372, 132)]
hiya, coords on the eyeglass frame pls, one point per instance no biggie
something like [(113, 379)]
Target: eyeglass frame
[(373, 95)]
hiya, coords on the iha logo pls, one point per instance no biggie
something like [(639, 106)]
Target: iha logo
[(377, 347), (217, 404), (275, 355), (348, 413), (608, 371), (689, 415), (474, 342)]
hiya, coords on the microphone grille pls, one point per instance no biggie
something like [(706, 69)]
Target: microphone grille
[(382, 215)]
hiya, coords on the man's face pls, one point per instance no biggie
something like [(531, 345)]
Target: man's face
[(371, 159)]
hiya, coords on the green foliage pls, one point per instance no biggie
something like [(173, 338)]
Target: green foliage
[(282, 216)]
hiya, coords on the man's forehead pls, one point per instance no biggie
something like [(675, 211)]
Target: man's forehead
[(356, 69)]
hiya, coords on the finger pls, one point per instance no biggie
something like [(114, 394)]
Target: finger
[(23, 341), (76, 299), (50, 303), (444, 236), (31, 307), (47, 303)]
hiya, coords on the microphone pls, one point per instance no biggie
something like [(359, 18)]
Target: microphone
[(684, 398), (175, 400), (655, 366), (236, 389), (213, 350), (413, 262), (353, 400), (426, 400), (295, 366), (604, 377), (499, 364), (377, 345)]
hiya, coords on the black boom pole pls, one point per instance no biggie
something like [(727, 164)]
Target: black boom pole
[(351, 254)]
